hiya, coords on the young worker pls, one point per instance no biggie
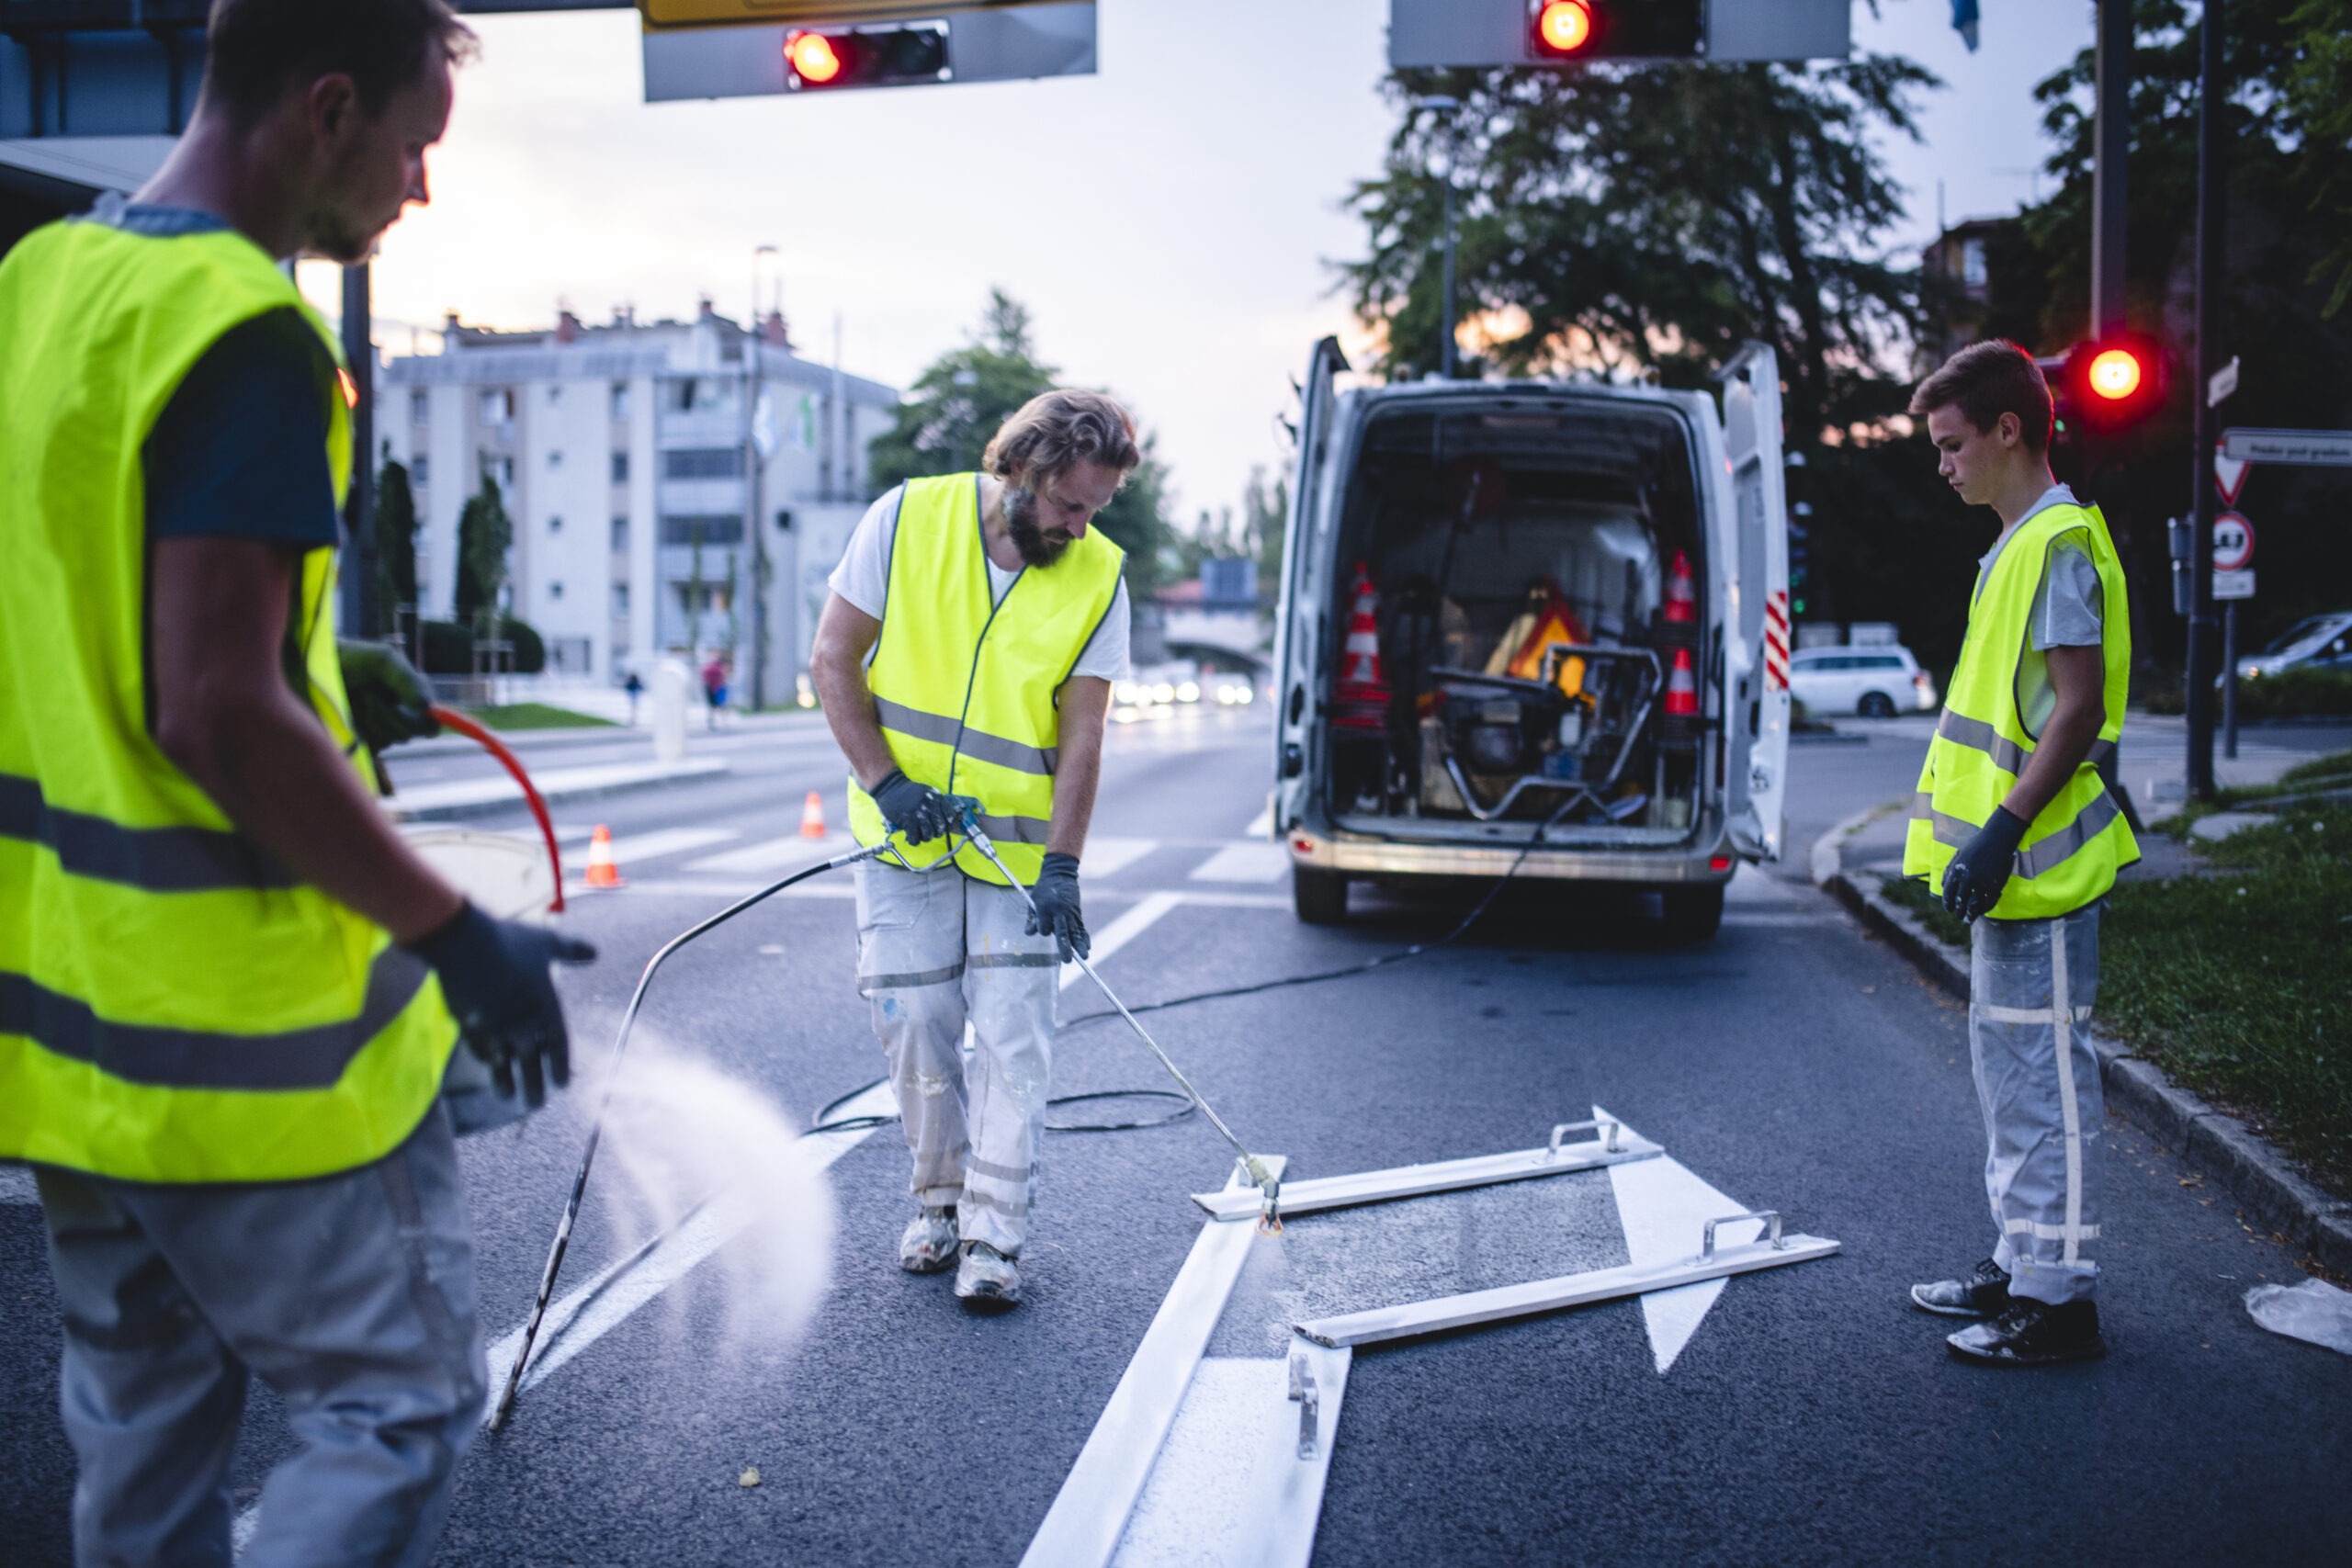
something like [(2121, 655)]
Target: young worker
[(227, 990), (2017, 829), (968, 648)]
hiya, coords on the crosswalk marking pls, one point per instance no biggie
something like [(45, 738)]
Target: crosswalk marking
[(1244, 863), (664, 842), (773, 854), (1105, 856)]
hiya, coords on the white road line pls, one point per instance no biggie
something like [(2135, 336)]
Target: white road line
[(1244, 863), (1262, 825), (773, 854), (664, 842), (1120, 932), (1105, 856)]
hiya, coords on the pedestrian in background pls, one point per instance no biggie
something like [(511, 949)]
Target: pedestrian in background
[(2018, 829), (228, 991), (635, 687), (714, 690), (1001, 618)]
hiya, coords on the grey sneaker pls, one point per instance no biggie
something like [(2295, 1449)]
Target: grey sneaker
[(929, 1246), (1985, 1294), (986, 1279)]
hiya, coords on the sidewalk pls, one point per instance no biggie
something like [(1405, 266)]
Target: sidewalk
[(1848, 861), (590, 735), (478, 797)]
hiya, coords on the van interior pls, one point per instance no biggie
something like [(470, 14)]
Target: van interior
[(1535, 568)]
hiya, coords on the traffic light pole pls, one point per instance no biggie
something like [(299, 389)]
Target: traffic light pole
[(2210, 283)]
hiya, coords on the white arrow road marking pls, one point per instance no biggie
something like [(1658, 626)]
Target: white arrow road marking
[(1662, 1206)]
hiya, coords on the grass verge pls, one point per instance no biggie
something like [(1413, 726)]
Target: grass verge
[(2332, 772), (536, 715), (2235, 983)]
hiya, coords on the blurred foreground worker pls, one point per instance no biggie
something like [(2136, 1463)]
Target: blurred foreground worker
[(2018, 829), (974, 630), (229, 992)]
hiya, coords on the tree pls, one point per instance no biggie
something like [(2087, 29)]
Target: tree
[(957, 405), (1642, 223), (484, 535), (395, 584), (1265, 517)]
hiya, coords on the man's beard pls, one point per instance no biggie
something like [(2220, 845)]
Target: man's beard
[(1021, 522)]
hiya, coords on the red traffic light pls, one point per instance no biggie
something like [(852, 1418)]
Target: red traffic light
[(814, 58), (1563, 26), (2115, 374), (2114, 383)]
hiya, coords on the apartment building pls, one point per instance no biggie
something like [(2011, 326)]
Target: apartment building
[(641, 528)]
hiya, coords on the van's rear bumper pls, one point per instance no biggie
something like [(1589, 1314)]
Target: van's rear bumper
[(1709, 859)]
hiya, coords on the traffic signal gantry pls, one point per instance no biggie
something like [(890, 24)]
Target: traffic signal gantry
[(730, 48), (1440, 33)]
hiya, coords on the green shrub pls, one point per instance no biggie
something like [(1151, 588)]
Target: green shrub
[(449, 647)]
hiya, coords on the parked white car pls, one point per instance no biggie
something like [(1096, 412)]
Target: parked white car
[(1876, 683)]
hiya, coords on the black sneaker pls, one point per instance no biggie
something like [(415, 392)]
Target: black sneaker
[(1982, 1294), (2033, 1333)]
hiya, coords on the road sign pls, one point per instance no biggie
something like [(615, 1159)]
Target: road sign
[(2233, 585), (2305, 449), (2224, 382), (2229, 475), (2233, 542)]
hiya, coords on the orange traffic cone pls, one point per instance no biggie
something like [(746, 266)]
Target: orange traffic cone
[(1681, 706), (1681, 596), (1361, 691), (812, 816), (603, 870)]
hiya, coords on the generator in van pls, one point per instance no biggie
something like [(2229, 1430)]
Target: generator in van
[(1539, 626)]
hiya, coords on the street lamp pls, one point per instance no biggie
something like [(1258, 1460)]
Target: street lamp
[(1446, 106)]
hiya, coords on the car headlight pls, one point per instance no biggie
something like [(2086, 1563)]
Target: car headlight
[(1163, 693), (1188, 693)]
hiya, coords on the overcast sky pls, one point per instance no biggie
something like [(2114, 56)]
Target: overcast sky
[(1170, 222)]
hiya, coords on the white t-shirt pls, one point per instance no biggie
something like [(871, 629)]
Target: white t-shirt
[(863, 578), (2069, 608)]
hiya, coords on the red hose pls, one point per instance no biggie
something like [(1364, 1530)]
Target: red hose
[(450, 719)]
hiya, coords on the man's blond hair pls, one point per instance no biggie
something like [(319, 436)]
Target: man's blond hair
[(1056, 431)]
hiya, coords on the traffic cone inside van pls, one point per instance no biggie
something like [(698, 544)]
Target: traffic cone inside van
[(1682, 706), (1681, 595), (1360, 694), (603, 870), (812, 816)]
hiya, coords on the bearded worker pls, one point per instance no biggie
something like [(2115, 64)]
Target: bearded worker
[(974, 626)]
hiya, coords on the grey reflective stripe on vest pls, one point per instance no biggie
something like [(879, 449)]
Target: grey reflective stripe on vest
[(153, 860), (942, 730), (2006, 754), (1017, 830), (2041, 859), (195, 1058)]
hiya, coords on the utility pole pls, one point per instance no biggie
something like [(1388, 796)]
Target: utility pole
[(359, 505), (751, 463), (2211, 283)]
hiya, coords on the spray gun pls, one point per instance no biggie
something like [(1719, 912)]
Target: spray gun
[(1270, 1219)]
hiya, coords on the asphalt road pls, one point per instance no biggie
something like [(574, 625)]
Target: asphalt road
[(1791, 1063)]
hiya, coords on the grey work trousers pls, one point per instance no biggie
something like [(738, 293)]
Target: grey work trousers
[(2032, 985), (937, 950), (351, 1295)]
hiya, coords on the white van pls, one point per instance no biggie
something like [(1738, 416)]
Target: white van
[(1578, 598)]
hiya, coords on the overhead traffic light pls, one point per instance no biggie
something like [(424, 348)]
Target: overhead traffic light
[(878, 57), (1617, 29), (2114, 383)]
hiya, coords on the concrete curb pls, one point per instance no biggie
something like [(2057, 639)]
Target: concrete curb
[(2275, 1194)]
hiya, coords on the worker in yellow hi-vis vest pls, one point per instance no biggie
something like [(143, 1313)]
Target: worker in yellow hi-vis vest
[(229, 992), (976, 625), (2019, 827)]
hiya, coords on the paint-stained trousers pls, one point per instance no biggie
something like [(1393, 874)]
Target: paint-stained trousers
[(937, 949), (351, 1295), (2032, 984)]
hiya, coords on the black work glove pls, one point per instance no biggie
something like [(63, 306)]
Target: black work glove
[(1057, 916), (494, 977), (1973, 880), (389, 701), (918, 811)]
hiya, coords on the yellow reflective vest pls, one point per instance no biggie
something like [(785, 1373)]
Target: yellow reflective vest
[(968, 690), (2073, 849), (174, 1006)]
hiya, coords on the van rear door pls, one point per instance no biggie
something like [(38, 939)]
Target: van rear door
[(1752, 552), (1298, 623)]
